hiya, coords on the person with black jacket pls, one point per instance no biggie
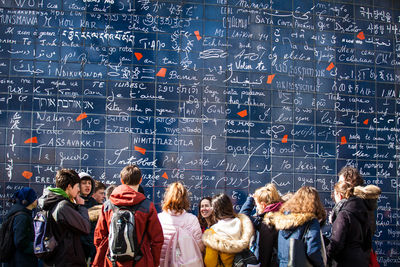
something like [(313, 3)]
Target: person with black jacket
[(25, 200), (267, 201), (69, 217), (350, 241), (87, 187)]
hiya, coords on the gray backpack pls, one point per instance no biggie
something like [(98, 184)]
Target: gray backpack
[(122, 239)]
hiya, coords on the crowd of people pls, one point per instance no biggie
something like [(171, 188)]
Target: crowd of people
[(89, 220)]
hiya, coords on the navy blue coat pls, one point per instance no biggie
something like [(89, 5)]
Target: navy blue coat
[(23, 238), (293, 226)]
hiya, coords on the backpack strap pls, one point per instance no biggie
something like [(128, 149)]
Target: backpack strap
[(220, 262)]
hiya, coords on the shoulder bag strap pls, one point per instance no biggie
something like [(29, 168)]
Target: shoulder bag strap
[(220, 262)]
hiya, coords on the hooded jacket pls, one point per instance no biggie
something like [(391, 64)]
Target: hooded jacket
[(170, 220), (266, 234), (71, 222), (370, 195), (293, 225), (350, 244), (226, 238), (89, 201), (87, 240), (23, 237), (146, 213)]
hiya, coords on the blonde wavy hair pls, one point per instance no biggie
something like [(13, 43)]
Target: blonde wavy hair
[(305, 200), (267, 194), (176, 198)]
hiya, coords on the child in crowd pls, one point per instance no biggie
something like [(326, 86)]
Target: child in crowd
[(205, 216), (267, 200), (230, 235)]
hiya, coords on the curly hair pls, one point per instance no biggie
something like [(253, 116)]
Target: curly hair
[(176, 198), (267, 194), (351, 175), (345, 189), (305, 200)]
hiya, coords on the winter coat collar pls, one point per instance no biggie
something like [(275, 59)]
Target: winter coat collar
[(367, 192), (220, 242), (288, 221), (94, 213)]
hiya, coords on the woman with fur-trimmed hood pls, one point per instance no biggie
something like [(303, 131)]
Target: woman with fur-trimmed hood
[(302, 210), (369, 194), (350, 240), (230, 235)]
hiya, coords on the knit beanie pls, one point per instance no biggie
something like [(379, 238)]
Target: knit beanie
[(26, 196)]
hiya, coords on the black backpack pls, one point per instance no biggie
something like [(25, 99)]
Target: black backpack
[(245, 258), (122, 239), (7, 247)]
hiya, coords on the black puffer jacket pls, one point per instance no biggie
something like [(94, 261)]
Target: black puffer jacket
[(23, 237), (350, 234), (370, 195), (71, 221)]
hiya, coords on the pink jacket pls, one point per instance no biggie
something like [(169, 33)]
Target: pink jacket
[(169, 220)]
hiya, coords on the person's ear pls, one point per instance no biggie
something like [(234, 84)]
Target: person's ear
[(141, 179), (122, 182)]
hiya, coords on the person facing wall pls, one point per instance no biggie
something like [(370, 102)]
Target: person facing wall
[(230, 235), (349, 243), (176, 222), (301, 212), (267, 201), (147, 226)]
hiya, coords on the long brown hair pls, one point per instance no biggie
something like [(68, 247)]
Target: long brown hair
[(305, 200), (176, 198), (222, 207)]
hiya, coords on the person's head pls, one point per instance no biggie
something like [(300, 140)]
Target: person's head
[(342, 190), (109, 190), (176, 198), (27, 197), (351, 175), (86, 185), (131, 175), (305, 200), (99, 192), (68, 180), (265, 196), (222, 207), (205, 215)]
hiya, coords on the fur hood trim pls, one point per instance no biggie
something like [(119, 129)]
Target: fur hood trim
[(221, 243), (288, 221), (367, 192), (94, 213)]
